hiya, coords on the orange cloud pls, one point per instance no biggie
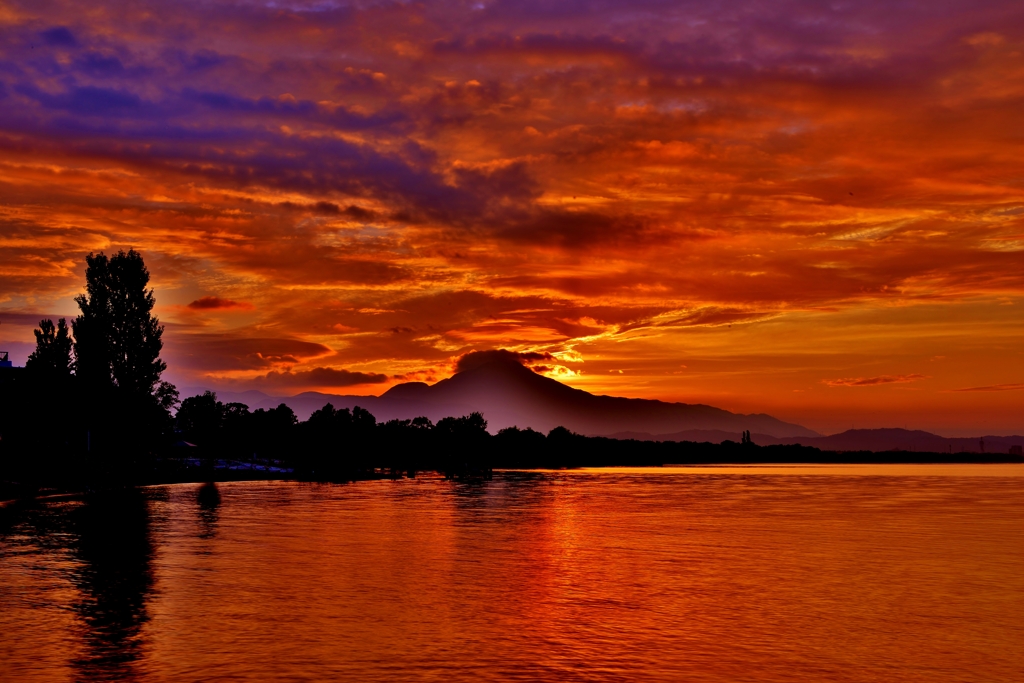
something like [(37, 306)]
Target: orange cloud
[(765, 195)]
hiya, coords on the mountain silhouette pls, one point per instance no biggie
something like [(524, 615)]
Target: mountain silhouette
[(909, 440), (508, 393), (876, 440)]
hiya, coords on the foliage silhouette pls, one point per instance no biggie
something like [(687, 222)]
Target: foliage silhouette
[(200, 418), (462, 445), (52, 358), (117, 344), (117, 338)]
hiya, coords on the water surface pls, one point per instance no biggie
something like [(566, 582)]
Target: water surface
[(780, 573)]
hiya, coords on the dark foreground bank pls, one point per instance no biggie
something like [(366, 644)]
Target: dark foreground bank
[(48, 442), (475, 454)]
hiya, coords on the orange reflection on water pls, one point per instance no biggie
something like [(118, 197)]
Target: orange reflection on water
[(601, 575)]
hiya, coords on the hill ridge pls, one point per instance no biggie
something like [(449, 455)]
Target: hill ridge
[(510, 394)]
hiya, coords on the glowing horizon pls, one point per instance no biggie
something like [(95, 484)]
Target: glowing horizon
[(814, 212)]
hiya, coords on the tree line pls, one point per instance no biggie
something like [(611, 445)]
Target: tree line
[(332, 443), (339, 444)]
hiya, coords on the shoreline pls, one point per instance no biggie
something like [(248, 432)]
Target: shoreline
[(44, 492)]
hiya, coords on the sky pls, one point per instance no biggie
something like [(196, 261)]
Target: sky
[(809, 209)]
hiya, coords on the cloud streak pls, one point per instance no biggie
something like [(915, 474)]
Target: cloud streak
[(874, 381), (995, 387), (212, 303)]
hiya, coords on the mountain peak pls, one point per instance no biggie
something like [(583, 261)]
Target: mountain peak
[(508, 392), (408, 390), (501, 385)]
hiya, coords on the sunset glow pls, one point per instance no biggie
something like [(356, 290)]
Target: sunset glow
[(805, 209)]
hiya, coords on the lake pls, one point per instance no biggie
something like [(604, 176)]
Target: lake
[(782, 573)]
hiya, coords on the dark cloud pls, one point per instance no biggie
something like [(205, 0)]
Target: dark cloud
[(995, 387), (29, 319), (288, 107), (475, 359), (325, 208), (202, 59), (872, 381), (569, 44), (221, 353), (577, 230), (317, 377), (215, 303), (59, 36), (100, 65), (86, 100)]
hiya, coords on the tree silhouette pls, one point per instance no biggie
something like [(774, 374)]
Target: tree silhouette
[(117, 344), (52, 356), (200, 417), (466, 428), (273, 429), (462, 442), (117, 338), (94, 327), (283, 417), (362, 421), (236, 416)]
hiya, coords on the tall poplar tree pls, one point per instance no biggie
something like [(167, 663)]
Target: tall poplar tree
[(117, 338)]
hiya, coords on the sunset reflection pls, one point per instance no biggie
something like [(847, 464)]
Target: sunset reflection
[(652, 575)]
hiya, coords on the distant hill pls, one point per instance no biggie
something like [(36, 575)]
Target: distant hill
[(877, 440), (508, 393), (705, 435)]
